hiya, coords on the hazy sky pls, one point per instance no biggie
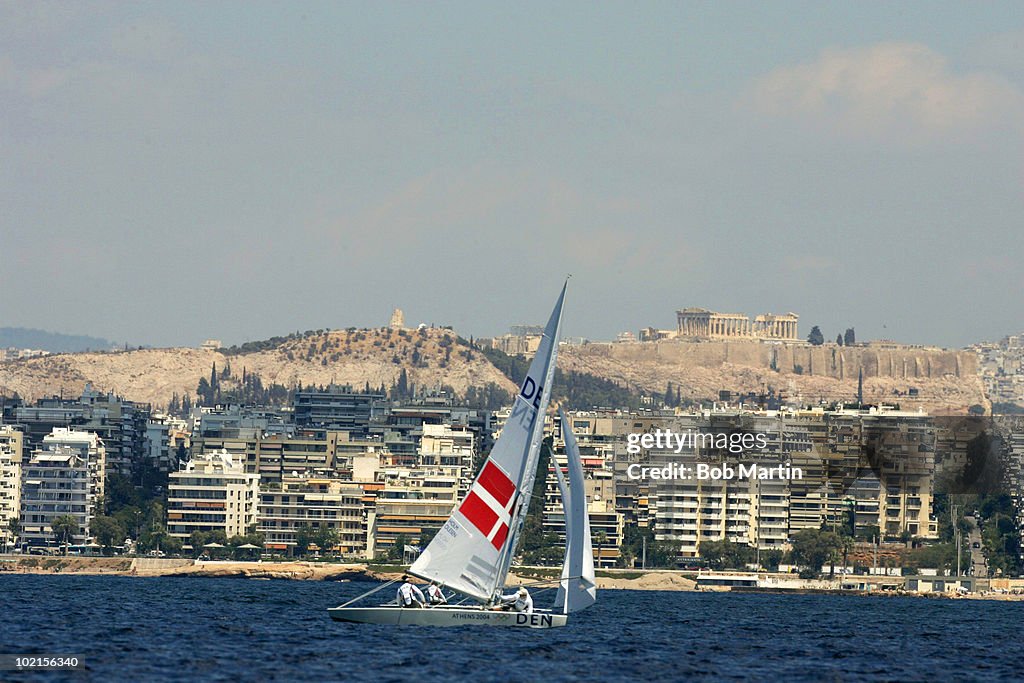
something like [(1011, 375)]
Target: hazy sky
[(176, 171)]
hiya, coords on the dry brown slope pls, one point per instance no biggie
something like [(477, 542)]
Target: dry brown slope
[(946, 381), (431, 357)]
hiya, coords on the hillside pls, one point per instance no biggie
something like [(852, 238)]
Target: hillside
[(943, 381), (430, 357)]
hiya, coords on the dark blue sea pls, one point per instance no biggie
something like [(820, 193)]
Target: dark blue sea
[(194, 629)]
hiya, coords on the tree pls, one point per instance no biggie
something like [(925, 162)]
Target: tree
[(64, 528), (536, 546), (403, 384), (131, 519), (601, 539), (771, 559), (850, 338), (726, 554), (839, 340), (847, 544), (121, 493), (107, 530), (14, 529), (396, 553), (170, 544), (426, 536), (546, 551), (636, 540), (204, 391), (154, 540), (197, 539), (303, 538), (813, 547), (816, 338), (326, 538)]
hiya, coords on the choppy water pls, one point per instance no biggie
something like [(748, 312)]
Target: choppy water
[(186, 629)]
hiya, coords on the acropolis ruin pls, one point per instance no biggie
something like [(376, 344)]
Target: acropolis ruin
[(699, 322)]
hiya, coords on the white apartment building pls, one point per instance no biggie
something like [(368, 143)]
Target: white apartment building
[(212, 493), (606, 524), (10, 492), (55, 482), (316, 503), (14, 439), (443, 445), (90, 448), (412, 502)]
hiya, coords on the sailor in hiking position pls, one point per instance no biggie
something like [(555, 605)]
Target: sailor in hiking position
[(435, 595), (519, 601), (409, 595)]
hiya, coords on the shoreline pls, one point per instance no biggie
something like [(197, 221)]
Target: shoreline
[(658, 580), (293, 570)]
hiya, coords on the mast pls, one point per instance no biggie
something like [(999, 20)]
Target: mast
[(472, 552), (528, 472)]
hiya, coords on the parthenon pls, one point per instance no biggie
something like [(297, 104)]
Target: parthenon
[(699, 322)]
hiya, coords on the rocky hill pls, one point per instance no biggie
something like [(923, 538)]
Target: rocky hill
[(430, 357), (936, 380)]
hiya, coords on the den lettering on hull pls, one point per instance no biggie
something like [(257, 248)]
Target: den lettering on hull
[(473, 551)]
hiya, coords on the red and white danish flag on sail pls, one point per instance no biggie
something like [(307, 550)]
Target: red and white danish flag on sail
[(488, 506)]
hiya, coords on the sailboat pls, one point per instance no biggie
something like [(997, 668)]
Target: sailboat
[(471, 554)]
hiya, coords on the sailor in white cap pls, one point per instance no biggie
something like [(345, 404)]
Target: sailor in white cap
[(519, 601)]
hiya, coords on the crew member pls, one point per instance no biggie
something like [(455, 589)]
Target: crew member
[(519, 601), (409, 595), (435, 595)]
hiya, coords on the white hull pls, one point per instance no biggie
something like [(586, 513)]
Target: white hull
[(445, 616)]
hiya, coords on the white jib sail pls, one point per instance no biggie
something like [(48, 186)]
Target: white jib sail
[(472, 551), (578, 588)]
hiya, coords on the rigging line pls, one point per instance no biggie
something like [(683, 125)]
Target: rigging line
[(369, 593)]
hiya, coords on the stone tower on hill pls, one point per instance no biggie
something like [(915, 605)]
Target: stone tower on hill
[(397, 319)]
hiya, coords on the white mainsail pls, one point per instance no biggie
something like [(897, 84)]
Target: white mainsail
[(471, 553), (578, 588)]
